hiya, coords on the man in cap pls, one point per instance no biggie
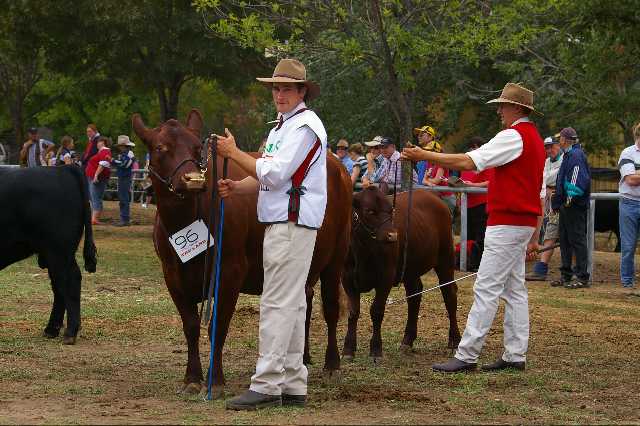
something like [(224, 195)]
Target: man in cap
[(341, 151), (124, 162), (34, 151), (426, 139), (551, 169), (571, 199), (390, 170), (515, 210), (291, 180)]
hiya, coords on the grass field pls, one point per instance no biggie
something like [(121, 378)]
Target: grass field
[(130, 356)]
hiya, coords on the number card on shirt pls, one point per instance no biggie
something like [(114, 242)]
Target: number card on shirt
[(191, 240)]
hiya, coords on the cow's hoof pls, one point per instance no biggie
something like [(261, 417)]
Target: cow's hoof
[(191, 389), (330, 377), (69, 340), (376, 359), (347, 357), (51, 333), (406, 349)]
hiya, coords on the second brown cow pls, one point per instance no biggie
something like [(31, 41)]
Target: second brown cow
[(376, 260)]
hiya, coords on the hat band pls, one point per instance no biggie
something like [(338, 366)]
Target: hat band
[(287, 76)]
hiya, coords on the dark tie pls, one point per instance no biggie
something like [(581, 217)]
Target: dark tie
[(37, 153), (280, 121)]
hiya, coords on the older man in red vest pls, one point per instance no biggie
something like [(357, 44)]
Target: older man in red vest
[(514, 207)]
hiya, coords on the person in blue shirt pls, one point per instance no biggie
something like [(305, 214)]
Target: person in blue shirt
[(123, 163), (341, 151), (571, 200)]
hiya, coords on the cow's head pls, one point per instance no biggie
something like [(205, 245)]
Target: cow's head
[(176, 153), (373, 214)]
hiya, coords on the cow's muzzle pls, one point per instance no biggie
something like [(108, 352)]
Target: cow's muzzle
[(194, 181)]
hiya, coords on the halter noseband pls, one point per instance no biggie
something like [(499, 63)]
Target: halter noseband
[(371, 232)]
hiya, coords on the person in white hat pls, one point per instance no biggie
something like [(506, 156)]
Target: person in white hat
[(123, 163), (515, 209), (291, 180)]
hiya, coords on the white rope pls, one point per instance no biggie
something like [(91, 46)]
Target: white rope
[(391, 302)]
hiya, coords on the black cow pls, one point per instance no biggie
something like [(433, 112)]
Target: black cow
[(607, 218), (44, 211)]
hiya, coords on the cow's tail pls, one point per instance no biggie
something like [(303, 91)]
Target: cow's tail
[(89, 252)]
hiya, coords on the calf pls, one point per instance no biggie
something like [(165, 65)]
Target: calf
[(44, 212), (377, 260), (607, 218)]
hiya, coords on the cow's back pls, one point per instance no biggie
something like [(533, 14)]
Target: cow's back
[(430, 235), (42, 208)]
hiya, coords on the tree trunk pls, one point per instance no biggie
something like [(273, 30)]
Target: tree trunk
[(17, 121), (169, 97)]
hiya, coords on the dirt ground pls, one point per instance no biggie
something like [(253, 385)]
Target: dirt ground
[(130, 357)]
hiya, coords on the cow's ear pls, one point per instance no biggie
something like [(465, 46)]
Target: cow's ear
[(194, 121), (141, 130)]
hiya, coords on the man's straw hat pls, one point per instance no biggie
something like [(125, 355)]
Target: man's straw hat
[(292, 71), (515, 94)]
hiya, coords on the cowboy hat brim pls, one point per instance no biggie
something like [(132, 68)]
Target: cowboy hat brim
[(313, 90), (509, 101)]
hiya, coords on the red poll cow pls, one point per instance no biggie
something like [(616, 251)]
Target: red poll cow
[(175, 153), (377, 260)]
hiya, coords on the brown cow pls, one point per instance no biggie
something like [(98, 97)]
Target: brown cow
[(376, 260), (170, 145)]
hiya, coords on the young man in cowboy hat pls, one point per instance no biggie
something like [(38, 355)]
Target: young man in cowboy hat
[(291, 178), (124, 162), (514, 207)]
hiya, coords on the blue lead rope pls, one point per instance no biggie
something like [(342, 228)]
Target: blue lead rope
[(214, 320)]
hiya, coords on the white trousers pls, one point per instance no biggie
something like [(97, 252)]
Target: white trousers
[(287, 254), (500, 275)]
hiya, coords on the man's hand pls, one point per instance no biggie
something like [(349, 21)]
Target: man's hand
[(413, 154), (369, 156), (227, 144), (226, 187), (95, 179), (532, 250)]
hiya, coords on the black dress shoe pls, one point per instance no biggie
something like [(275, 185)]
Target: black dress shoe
[(454, 365), (503, 365), (250, 401), (294, 400)]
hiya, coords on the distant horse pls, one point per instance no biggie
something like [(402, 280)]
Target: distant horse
[(175, 153), (377, 260)]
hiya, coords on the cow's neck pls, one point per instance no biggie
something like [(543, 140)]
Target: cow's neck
[(176, 213)]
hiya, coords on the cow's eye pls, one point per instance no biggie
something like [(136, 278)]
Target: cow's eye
[(371, 211)]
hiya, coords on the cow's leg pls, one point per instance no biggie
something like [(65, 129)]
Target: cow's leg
[(306, 357), (56, 319), (351, 338), (330, 287), (450, 297), (377, 315), (412, 285), (188, 311), (227, 300), (72, 301)]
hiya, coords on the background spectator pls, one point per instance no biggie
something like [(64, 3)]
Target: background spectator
[(98, 172), (436, 175), (34, 151), (341, 151), (425, 135), (551, 218), (629, 189), (66, 154), (356, 152), (390, 170), (124, 162), (476, 203), (571, 199), (374, 159), (92, 145)]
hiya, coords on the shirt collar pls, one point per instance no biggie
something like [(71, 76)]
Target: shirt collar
[(287, 115), (521, 120)]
